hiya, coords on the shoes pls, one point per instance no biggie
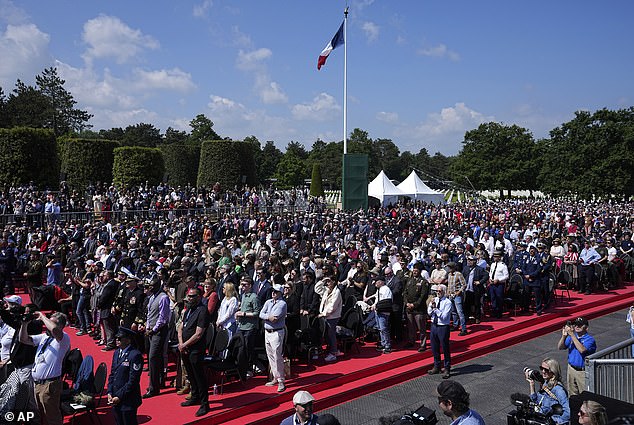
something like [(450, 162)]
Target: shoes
[(271, 383), (80, 333), (188, 396), (587, 293), (108, 348), (422, 348), (477, 321), (462, 333), (447, 374), (281, 387), (184, 390), (150, 394), (387, 350), (202, 410), (330, 358), (249, 374), (189, 403), (434, 371), (340, 353)]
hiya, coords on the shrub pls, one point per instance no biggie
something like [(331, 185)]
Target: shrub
[(181, 163), (316, 185), (226, 162), (28, 154), (86, 160), (135, 165)]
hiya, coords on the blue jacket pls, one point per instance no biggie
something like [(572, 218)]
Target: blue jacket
[(125, 377), (532, 267)]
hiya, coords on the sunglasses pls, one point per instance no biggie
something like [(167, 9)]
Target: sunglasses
[(544, 369)]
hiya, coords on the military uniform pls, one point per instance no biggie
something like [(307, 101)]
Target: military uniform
[(546, 267), (532, 268), (124, 381)]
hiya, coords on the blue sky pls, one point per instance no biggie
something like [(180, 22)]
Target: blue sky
[(419, 72)]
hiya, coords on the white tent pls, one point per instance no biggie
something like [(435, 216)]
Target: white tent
[(414, 187), (384, 190)]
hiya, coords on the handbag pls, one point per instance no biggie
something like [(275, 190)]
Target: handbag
[(384, 306)]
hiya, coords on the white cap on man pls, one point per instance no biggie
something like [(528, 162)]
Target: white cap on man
[(302, 397)]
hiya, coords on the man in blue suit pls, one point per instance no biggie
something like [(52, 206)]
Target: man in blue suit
[(124, 387), (531, 273)]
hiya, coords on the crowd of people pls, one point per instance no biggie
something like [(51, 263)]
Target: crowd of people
[(284, 282)]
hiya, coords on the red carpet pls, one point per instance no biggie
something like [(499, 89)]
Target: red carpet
[(359, 375)]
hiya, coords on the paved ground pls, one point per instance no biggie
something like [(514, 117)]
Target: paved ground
[(490, 380)]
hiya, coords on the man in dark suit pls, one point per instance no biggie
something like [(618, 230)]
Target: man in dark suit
[(476, 278), (124, 387)]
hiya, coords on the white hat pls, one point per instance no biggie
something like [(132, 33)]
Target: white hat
[(302, 397), (90, 262), (278, 288), (15, 299), (434, 287)]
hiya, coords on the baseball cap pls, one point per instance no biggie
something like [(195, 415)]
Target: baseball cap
[(451, 390), (580, 321), (302, 397), (14, 299)]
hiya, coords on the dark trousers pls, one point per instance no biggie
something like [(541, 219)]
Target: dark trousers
[(440, 339), (537, 293), (125, 415), (155, 358), (193, 362), (249, 342), (496, 293), (110, 329), (586, 278), (472, 304)]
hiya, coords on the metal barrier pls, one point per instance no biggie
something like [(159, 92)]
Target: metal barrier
[(610, 372), (83, 217)]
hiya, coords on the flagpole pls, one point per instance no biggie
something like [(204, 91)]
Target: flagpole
[(345, 81)]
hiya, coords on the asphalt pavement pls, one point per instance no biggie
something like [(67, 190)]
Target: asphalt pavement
[(490, 379)]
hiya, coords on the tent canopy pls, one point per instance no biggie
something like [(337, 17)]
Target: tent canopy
[(384, 190), (415, 188)]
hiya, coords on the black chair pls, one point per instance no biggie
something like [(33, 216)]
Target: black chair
[(563, 282), (317, 333), (514, 293), (220, 344), (234, 363), (101, 375), (352, 328)]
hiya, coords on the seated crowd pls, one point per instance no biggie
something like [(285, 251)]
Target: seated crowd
[(286, 285)]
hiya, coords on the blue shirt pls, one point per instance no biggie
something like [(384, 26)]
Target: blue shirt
[(274, 308), (575, 358), (54, 274), (546, 402), (470, 418), (589, 256)]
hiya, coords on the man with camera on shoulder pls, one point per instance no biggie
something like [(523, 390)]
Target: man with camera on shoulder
[(47, 369)]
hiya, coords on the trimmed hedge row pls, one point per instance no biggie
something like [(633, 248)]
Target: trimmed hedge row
[(227, 162), (181, 163), (28, 154), (134, 165), (86, 160)]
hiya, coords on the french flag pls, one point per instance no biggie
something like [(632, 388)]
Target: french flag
[(336, 41)]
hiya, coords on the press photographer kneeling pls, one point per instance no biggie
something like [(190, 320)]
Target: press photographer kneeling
[(551, 392)]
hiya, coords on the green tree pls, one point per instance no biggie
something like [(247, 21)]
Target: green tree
[(174, 137), (291, 170), (143, 135), (61, 115), (590, 155), (26, 107), (4, 118), (269, 159), (494, 156), (115, 133), (202, 129), (316, 185)]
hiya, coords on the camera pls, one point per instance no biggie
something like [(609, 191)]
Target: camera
[(534, 375), (527, 412), (421, 416)]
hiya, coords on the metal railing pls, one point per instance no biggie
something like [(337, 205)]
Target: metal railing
[(610, 372), (83, 217)]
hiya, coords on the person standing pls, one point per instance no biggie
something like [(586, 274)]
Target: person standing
[(630, 319), (453, 400), (247, 316), (439, 310), (588, 257), (383, 309), (455, 287), (47, 369), (531, 271), (414, 297), (274, 315), (476, 279), (498, 277), (124, 387), (330, 310), (191, 344), (580, 344), (158, 316)]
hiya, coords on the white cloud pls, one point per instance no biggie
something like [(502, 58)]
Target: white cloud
[(252, 60), (388, 117), (163, 79), (107, 118), (269, 91), (200, 10), (11, 14), (109, 37), (439, 51), (371, 31), (323, 107), (23, 49)]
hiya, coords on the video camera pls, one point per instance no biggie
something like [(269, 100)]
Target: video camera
[(528, 412), (421, 416)]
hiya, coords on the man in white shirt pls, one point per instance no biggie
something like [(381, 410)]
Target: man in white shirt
[(439, 312), (47, 369), (498, 276)]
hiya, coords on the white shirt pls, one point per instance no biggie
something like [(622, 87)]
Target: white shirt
[(499, 271), (48, 362), (6, 337)]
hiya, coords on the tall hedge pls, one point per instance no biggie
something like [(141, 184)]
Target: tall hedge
[(87, 160), (134, 165), (316, 184), (181, 163), (28, 154), (226, 162)]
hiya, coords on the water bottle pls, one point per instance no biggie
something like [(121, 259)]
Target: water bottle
[(215, 389)]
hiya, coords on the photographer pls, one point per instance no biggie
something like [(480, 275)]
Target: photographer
[(453, 400), (580, 344), (47, 369), (551, 392)]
